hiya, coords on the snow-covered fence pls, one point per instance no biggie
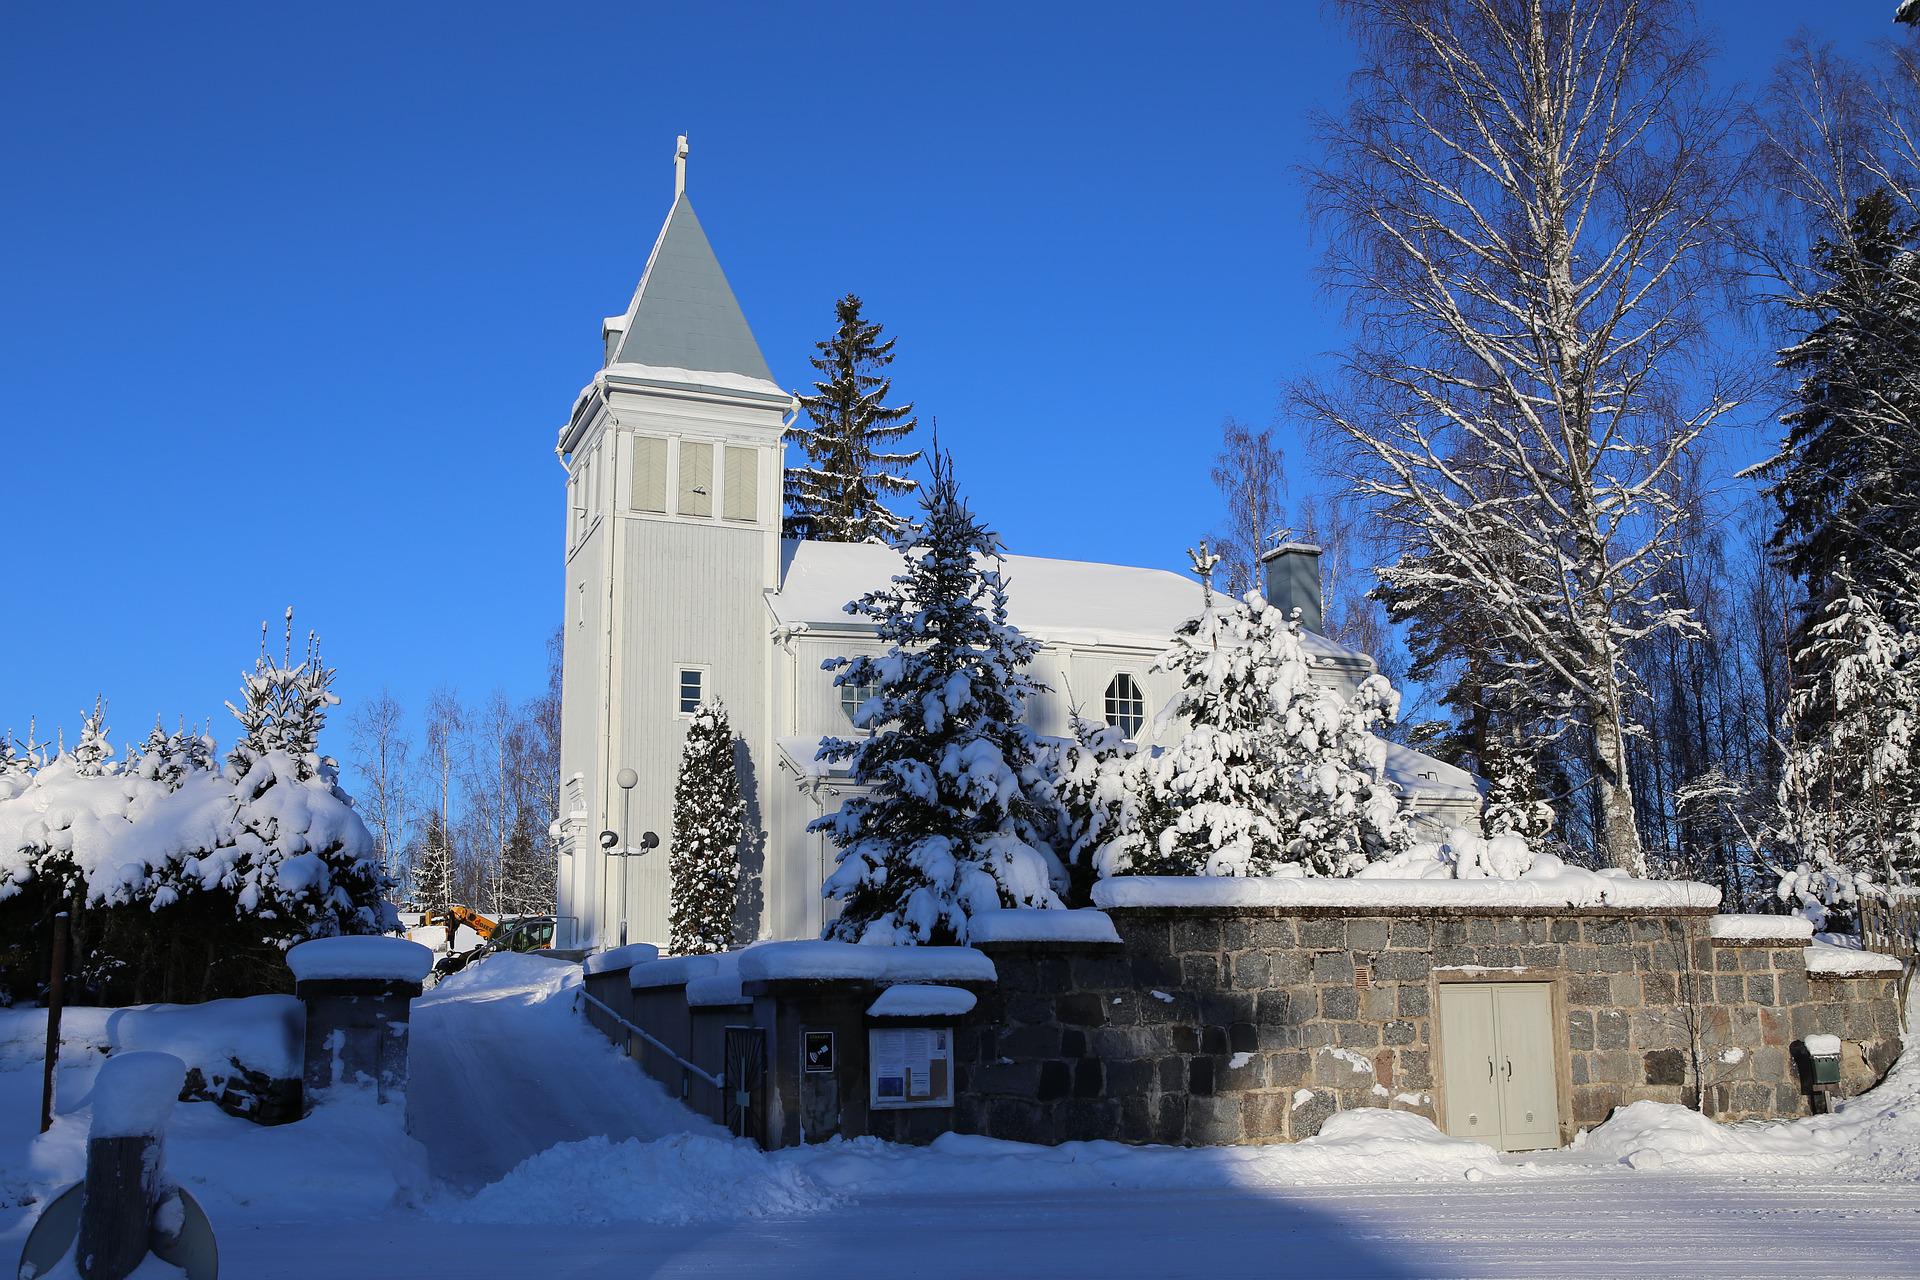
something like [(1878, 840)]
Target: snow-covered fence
[(359, 995)]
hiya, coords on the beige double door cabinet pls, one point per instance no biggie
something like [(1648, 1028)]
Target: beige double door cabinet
[(1496, 1059)]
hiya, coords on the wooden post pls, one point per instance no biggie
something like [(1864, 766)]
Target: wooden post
[(56, 993), (116, 1214)]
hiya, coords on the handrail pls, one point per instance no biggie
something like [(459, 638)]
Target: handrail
[(716, 1081)]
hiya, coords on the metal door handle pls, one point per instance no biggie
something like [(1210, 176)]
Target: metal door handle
[(1489, 1068), (1509, 1068)]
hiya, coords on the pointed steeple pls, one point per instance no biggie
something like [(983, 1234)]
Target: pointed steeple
[(684, 314)]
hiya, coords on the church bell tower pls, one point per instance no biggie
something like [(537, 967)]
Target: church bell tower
[(673, 498)]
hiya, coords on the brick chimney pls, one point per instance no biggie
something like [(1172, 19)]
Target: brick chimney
[(1292, 581)]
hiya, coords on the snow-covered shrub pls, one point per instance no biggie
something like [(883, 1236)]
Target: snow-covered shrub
[(709, 821), (950, 824), (1273, 771), (180, 872)]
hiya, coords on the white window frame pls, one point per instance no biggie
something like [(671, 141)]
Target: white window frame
[(680, 670), (1107, 701), (847, 709)]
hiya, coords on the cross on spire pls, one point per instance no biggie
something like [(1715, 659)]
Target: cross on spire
[(680, 167)]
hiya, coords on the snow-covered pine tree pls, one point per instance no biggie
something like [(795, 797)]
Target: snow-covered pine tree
[(837, 496), (1847, 477), (709, 821), (949, 825), (1273, 770), (1850, 787), (1093, 800)]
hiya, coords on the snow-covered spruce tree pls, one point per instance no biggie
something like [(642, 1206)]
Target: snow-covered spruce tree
[(837, 495), (302, 862), (1273, 771), (1093, 799), (283, 707), (949, 825), (709, 821), (432, 867), (92, 755), (1847, 477), (1514, 806), (528, 869), (1850, 788), (168, 758)]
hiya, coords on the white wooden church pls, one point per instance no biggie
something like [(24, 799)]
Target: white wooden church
[(679, 588)]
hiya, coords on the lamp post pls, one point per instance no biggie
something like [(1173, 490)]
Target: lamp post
[(627, 779)]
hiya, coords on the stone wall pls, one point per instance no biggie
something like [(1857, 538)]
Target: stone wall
[(1211, 1026)]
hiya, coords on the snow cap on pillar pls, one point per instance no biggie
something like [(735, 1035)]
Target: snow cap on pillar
[(1292, 581)]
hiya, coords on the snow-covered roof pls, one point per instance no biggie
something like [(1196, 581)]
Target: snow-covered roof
[(1421, 776), (1075, 602), (683, 314)]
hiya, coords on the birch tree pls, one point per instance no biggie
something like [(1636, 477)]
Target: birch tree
[(1250, 472), (380, 750), (1524, 198)]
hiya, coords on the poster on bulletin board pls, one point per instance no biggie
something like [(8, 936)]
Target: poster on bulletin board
[(910, 1067)]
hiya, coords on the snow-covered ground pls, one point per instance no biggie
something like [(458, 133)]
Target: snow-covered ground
[(537, 1150)]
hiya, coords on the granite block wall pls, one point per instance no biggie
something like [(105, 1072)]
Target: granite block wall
[(1207, 1026)]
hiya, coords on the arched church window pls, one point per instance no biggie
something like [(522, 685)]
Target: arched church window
[(1126, 706), (851, 696)]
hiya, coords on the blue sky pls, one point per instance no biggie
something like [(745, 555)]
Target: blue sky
[(293, 299)]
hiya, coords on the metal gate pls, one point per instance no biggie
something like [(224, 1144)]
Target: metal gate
[(744, 1094)]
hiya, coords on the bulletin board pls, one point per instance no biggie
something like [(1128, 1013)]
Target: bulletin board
[(910, 1067)]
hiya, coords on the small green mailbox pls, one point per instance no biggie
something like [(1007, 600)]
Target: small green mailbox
[(1823, 1060)]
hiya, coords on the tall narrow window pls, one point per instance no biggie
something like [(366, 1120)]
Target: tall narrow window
[(693, 686), (696, 478), (851, 696), (649, 474), (741, 492), (1126, 705)]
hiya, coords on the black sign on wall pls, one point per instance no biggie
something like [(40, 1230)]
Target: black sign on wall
[(817, 1052)]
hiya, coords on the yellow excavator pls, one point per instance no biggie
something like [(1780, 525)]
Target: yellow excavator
[(527, 933)]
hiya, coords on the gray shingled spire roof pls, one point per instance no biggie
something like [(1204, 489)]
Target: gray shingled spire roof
[(684, 314)]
